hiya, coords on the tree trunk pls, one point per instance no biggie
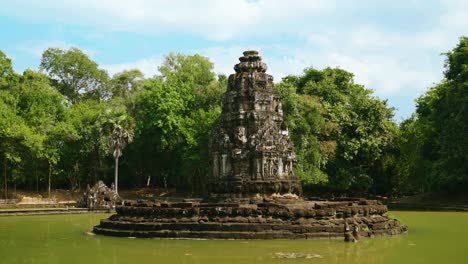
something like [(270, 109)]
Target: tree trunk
[(50, 176), (96, 164), (116, 175), (95, 172), (5, 177), (37, 177), (99, 163)]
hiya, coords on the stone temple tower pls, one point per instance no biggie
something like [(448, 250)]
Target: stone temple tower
[(251, 152)]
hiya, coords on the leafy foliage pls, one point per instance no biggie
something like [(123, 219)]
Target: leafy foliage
[(55, 127), (174, 114), (434, 142), (340, 131), (74, 74)]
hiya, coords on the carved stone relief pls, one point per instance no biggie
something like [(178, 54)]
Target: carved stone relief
[(253, 152)]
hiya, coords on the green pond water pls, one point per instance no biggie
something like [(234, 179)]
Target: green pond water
[(434, 237)]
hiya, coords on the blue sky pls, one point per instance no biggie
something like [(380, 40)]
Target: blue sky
[(392, 47)]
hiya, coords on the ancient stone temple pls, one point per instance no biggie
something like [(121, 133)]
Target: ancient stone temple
[(251, 152), (252, 187)]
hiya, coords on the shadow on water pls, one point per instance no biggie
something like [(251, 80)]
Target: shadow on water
[(434, 237)]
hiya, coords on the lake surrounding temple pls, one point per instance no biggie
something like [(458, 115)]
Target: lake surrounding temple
[(435, 237)]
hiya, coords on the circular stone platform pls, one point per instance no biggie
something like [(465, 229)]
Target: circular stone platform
[(249, 219)]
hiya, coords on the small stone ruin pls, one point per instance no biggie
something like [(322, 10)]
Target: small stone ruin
[(253, 192), (99, 197)]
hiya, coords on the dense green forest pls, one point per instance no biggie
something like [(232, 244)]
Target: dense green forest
[(58, 127)]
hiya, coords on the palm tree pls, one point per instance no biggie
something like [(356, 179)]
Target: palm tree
[(119, 130)]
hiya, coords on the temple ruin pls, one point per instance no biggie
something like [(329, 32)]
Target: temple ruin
[(251, 152), (252, 186)]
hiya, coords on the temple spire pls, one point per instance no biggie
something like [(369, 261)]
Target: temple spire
[(251, 152), (250, 62)]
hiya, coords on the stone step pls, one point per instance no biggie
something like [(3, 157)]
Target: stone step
[(169, 211), (184, 234), (235, 227), (211, 234)]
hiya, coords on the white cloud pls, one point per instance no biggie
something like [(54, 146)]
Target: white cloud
[(37, 48), (455, 15), (148, 66), (223, 58), (378, 71), (213, 19), (385, 54), (383, 75)]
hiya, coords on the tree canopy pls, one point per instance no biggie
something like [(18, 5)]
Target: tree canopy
[(55, 126), (434, 142), (339, 129), (74, 74)]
